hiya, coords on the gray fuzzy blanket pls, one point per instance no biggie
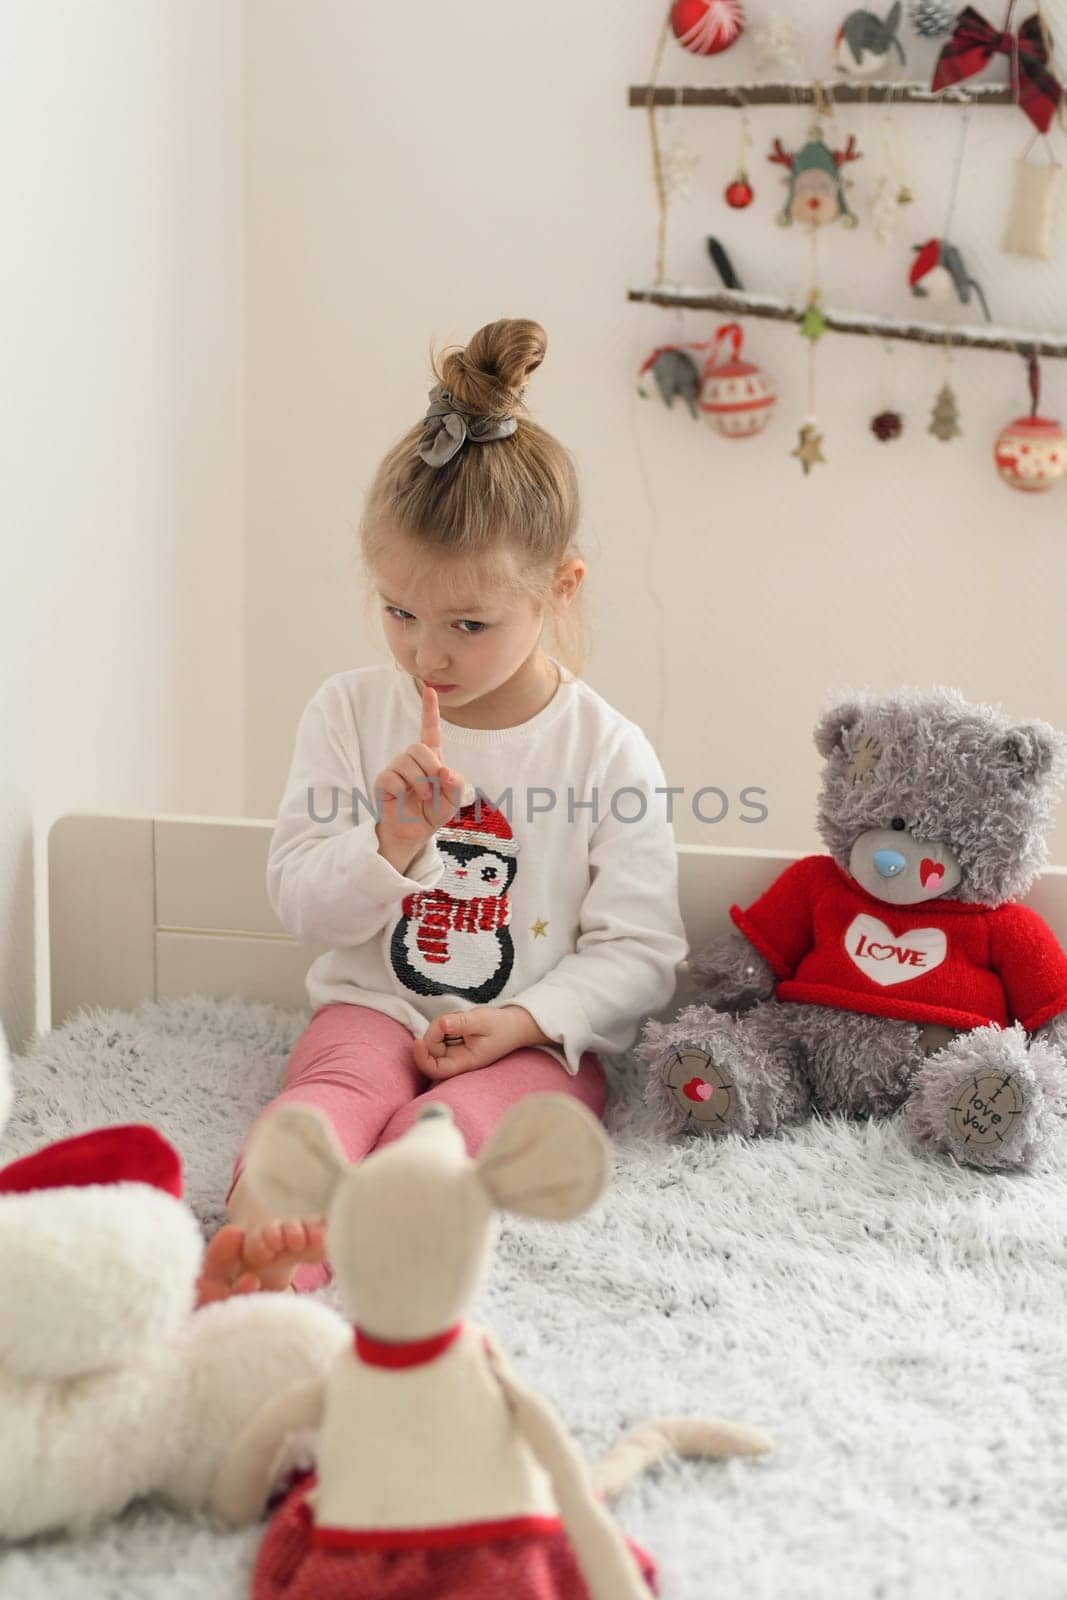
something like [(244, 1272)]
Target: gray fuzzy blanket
[(898, 1326)]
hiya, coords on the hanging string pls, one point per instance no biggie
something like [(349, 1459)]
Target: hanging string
[(957, 170), (657, 154)]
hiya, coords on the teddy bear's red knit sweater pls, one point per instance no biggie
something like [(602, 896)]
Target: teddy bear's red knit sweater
[(831, 943)]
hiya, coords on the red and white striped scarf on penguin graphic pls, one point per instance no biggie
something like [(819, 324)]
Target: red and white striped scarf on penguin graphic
[(437, 913)]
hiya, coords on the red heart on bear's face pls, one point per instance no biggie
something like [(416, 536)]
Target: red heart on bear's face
[(931, 874), (697, 1089)]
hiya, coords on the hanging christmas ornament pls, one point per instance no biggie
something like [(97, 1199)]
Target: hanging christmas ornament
[(938, 273), (723, 265), (892, 191), (680, 164), (945, 421), (1031, 452), (813, 325), (706, 27), (675, 370), (816, 189), (932, 19), (974, 43), (1033, 207), (809, 447), (775, 44), (863, 42), (737, 398), (888, 424), (739, 193)]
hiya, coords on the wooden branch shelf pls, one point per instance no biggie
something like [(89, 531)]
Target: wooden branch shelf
[(963, 335), (843, 92)]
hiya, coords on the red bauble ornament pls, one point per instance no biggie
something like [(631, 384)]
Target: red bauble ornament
[(706, 27), (1031, 453), (887, 425), (739, 193), (737, 398)]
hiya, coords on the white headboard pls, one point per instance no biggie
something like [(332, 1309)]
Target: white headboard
[(146, 907)]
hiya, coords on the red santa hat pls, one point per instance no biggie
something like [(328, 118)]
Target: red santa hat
[(479, 823), (132, 1154)]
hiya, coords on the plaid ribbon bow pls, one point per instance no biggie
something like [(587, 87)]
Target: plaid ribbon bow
[(974, 44)]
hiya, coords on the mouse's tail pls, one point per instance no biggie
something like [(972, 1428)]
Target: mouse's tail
[(695, 1438)]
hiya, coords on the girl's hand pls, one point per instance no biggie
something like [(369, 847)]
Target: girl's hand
[(419, 794), (487, 1033)]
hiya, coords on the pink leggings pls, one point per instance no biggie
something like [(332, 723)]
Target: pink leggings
[(356, 1065)]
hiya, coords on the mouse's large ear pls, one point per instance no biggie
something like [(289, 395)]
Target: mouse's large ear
[(294, 1161), (549, 1157)]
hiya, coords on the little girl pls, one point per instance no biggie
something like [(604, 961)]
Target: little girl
[(491, 920)]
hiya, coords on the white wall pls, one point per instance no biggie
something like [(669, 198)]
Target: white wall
[(417, 176), (121, 637)]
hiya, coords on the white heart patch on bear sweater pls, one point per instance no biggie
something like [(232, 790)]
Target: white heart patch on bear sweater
[(887, 957)]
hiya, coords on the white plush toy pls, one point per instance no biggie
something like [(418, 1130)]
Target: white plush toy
[(111, 1387), (438, 1474)]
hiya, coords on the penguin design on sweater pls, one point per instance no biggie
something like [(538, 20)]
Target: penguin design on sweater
[(455, 938)]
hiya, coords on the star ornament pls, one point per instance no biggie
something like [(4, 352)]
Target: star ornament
[(539, 929), (809, 447)]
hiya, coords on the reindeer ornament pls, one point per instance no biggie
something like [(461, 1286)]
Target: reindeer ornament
[(438, 1474), (816, 193)]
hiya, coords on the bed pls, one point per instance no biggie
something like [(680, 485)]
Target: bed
[(898, 1325)]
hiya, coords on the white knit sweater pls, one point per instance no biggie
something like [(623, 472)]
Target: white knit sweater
[(539, 901)]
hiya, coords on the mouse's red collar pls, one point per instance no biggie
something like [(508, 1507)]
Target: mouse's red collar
[(381, 1353)]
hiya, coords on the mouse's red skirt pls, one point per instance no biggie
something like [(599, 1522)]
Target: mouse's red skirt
[(537, 1564)]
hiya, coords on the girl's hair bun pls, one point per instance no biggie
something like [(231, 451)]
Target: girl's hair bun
[(488, 377)]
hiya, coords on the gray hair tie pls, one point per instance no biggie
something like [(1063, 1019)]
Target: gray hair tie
[(447, 427)]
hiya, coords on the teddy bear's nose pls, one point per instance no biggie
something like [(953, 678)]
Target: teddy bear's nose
[(889, 863)]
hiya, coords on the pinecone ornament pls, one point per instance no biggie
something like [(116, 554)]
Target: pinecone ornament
[(887, 425), (932, 19)]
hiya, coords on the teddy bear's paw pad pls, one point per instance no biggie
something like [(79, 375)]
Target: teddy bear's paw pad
[(986, 1111), (701, 1089)]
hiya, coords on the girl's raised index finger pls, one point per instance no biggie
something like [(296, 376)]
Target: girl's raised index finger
[(431, 720)]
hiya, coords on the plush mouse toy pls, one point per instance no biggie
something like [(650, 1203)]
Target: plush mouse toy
[(437, 1472), (897, 970), (110, 1387)]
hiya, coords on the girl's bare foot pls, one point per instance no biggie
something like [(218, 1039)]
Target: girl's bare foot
[(245, 1260)]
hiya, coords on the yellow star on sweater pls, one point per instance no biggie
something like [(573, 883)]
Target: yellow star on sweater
[(539, 928)]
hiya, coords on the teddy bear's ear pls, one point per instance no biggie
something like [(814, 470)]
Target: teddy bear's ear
[(549, 1157), (294, 1162), (832, 728), (1033, 748)]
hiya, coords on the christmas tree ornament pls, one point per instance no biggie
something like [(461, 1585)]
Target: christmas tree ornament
[(945, 421), (706, 27), (775, 44), (813, 324), (887, 425), (737, 398), (680, 165), (932, 19), (938, 273), (1033, 208), (675, 370), (1031, 452), (739, 193), (974, 43), (864, 41), (816, 189), (809, 447)]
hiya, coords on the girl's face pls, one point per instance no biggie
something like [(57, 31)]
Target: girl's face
[(465, 637)]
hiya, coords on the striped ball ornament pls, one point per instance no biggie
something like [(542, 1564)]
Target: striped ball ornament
[(737, 398), (707, 27)]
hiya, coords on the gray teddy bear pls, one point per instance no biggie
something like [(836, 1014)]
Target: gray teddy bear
[(897, 970)]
